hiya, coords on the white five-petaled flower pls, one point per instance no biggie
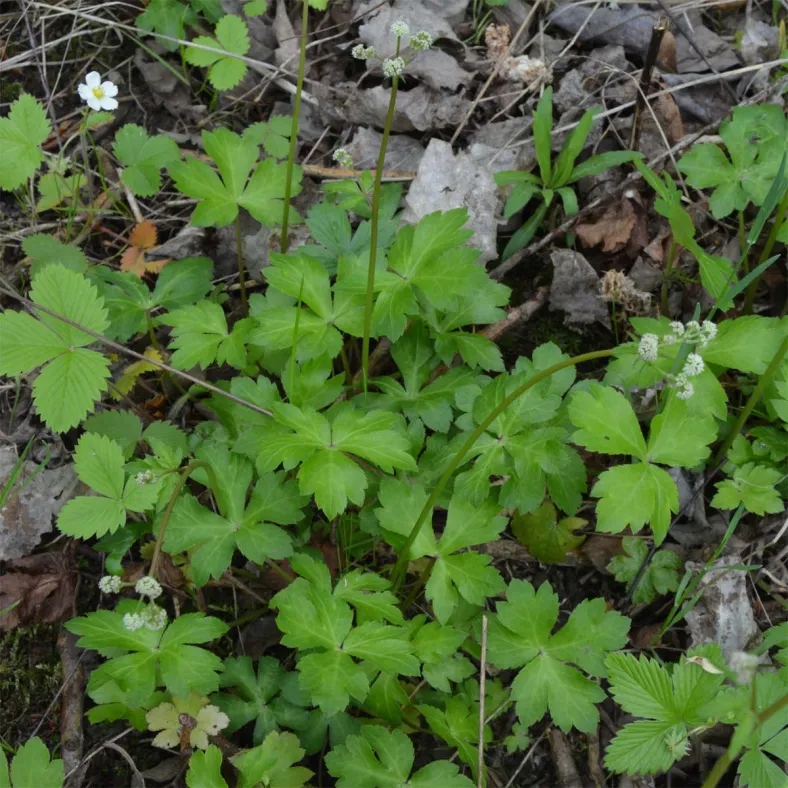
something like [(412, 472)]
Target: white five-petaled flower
[(693, 366), (97, 94), (149, 587), (393, 67), (110, 584), (648, 347), (400, 29), (133, 621)]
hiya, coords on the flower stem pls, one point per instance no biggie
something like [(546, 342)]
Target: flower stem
[(165, 519), (398, 573), (241, 278), (756, 394), (666, 277), (723, 764), (373, 236), (294, 128)]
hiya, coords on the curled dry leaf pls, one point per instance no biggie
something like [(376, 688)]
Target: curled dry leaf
[(38, 588), (621, 224), (143, 238), (128, 378)]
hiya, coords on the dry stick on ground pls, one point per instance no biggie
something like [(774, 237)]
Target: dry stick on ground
[(6, 290), (657, 34), (72, 708), (500, 271), (526, 758)]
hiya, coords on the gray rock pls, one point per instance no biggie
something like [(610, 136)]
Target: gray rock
[(445, 181), (403, 153), (646, 277), (575, 290)]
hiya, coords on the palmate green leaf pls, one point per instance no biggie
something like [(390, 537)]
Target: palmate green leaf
[(201, 337), (121, 426), (474, 349), (520, 636), (143, 157), (205, 769), (21, 133), (313, 617), (271, 763), (45, 250), (273, 135), (74, 378), (221, 194), (323, 447), (31, 767), (753, 486), (183, 666), (436, 647), (429, 260), (747, 343), (378, 758), (635, 495), (232, 36), (659, 577), (98, 462), (677, 438)]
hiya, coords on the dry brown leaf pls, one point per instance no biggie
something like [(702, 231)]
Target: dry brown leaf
[(669, 117), (143, 238), (40, 588), (128, 379), (496, 38), (666, 57), (612, 229)]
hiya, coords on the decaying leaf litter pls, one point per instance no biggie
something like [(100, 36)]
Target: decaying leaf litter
[(464, 115)]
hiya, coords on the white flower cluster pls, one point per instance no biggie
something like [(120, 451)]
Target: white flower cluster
[(98, 95), (693, 333), (144, 477), (360, 52), (393, 67), (149, 587), (152, 617), (110, 584), (343, 158), (400, 29), (421, 41), (648, 349)]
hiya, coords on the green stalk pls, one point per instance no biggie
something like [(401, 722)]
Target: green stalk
[(165, 519), (294, 127), (666, 277), (757, 392), (239, 252), (767, 250), (373, 236), (723, 764), (398, 573)]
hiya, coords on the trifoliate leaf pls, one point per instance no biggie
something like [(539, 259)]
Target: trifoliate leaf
[(200, 336), (74, 378), (674, 703), (378, 757), (183, 282), (634, 496), (520, 635), (232, 36), (606, 422), (45, 250), (56, 189), (143, 157), (474, 349), (184, 667), (205, 769), (273, 135), (547, 538), (660, 576), (271, 763), (98, 462), (21, 133), (220, 194), (31, 766), (752, 485), (167, 18)]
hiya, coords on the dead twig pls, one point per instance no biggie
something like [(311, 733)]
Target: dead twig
[(657, 34), (72, 709)]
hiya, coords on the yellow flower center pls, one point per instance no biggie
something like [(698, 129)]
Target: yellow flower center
[(98, 93)]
